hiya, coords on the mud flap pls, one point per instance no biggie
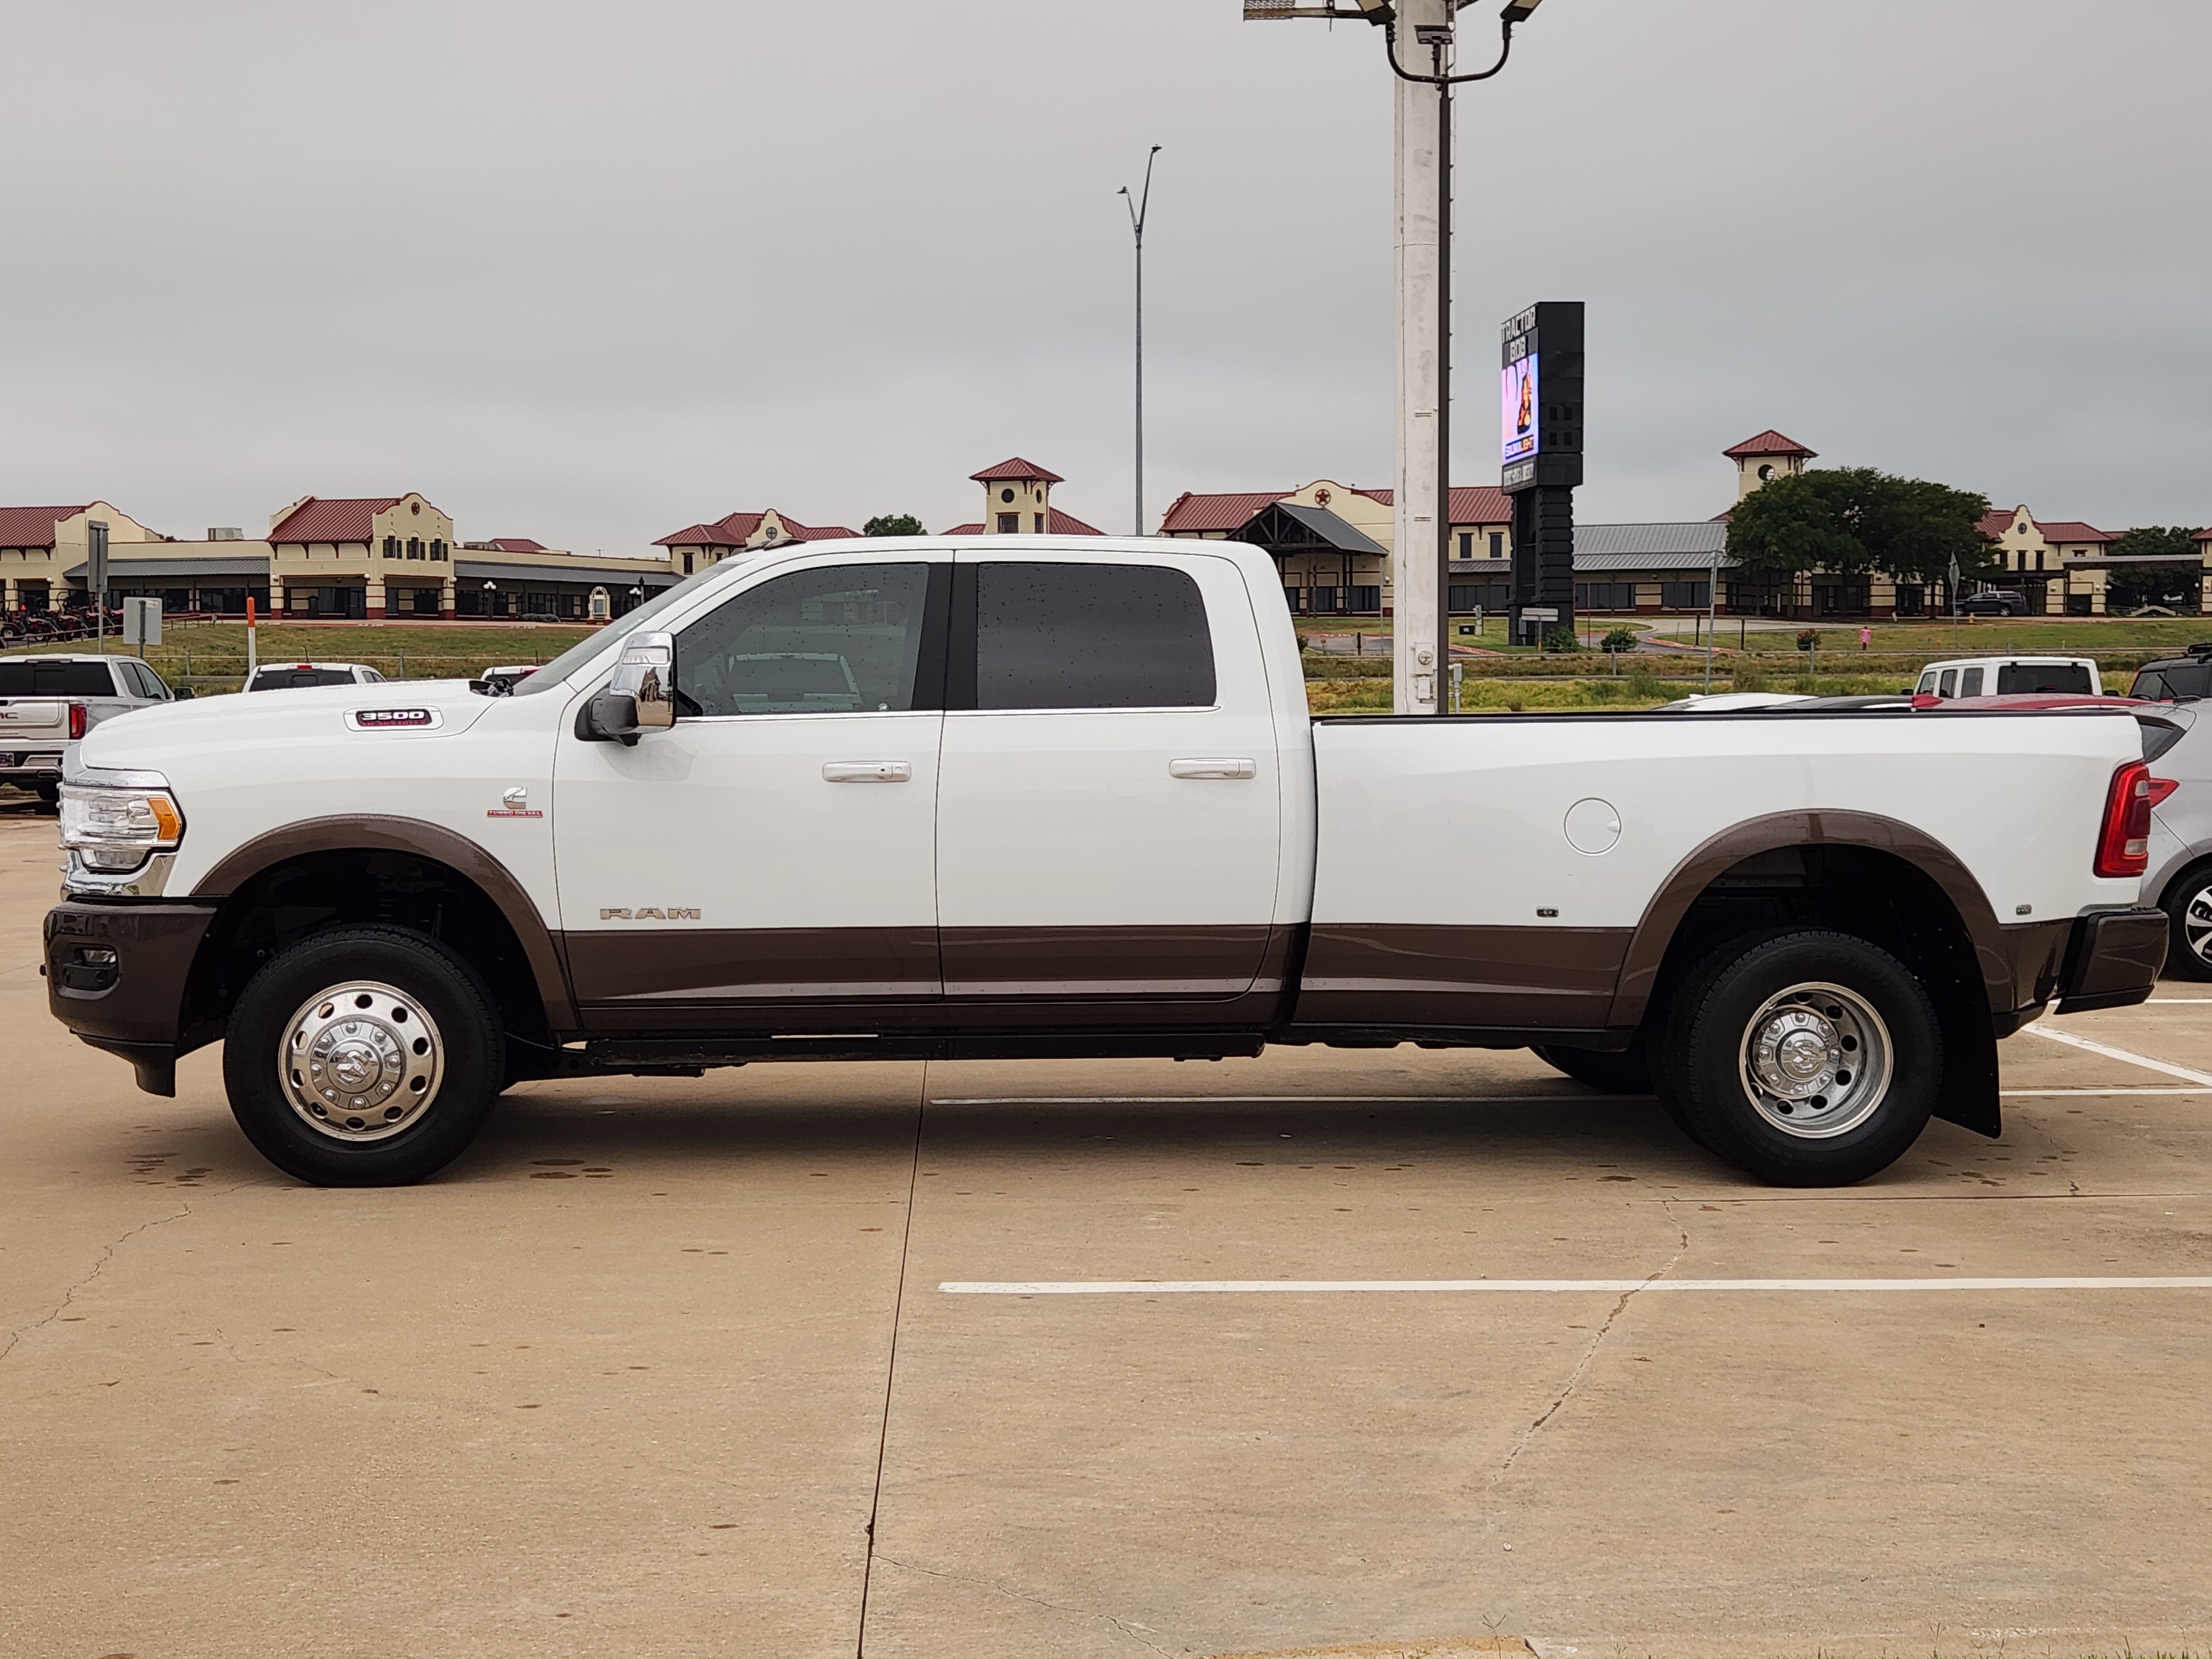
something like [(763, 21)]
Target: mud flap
[(1968, 1096)]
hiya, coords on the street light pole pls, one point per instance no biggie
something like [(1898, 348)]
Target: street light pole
[(1140, 206), (1421, 505), (1421, 626)]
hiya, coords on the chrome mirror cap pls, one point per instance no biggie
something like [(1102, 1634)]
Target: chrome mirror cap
[(646, 673)]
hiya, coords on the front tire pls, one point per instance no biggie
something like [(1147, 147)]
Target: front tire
[(363, 1057), (1808, 1059), (2188, 907)]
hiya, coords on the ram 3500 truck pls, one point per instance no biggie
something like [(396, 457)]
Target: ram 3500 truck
[(1057, 797)]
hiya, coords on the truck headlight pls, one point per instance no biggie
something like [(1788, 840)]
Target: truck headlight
[(115, 830)]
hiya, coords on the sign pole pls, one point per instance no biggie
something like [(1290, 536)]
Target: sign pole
[(249, 664), (95, 578)]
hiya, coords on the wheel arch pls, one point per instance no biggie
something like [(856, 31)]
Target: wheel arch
[(363, 865), (1899, 887)]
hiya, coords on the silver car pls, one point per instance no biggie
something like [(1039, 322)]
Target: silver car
[(2179, 746)]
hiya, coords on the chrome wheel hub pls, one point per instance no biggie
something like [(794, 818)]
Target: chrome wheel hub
[(360, 1061), (1816, 1060)]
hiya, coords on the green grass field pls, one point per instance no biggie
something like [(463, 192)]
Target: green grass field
[(211, 656)]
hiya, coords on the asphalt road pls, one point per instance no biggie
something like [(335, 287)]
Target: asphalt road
[(636, 1377)]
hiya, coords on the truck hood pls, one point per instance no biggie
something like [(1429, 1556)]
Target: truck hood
[(411, 711)]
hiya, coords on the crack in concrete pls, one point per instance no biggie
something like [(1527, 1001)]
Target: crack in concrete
[(1596, 1341), (69, 1296), (1022, 1595)]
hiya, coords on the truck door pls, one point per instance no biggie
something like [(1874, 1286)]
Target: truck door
[(777, 845), (1110, 814)]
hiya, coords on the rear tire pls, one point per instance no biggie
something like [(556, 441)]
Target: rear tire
[(1626, 1073), (2188, 906), (1809, 1058), (363, 1057)]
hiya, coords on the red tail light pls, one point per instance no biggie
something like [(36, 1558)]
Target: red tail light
[(77, 721), (2123, 848), (2162, 788)]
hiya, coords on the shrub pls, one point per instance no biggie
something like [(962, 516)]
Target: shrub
[(1620, 640), (1561, 638)]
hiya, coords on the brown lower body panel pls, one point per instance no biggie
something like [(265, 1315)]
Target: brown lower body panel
[(850, 979), (1552, 978)]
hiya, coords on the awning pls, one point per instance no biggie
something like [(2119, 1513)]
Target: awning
[(527, 575), (249, 568), (1285, 527)]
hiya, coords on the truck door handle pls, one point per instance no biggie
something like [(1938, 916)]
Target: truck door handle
[(867, 772), (1232, 767)]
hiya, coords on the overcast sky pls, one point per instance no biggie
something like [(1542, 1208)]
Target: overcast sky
[(591, 273)]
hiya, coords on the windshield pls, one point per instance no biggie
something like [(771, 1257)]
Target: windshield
[(584, 650)]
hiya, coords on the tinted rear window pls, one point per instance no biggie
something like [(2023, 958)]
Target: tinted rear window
[(2044, 677), (26, 677), (2175, 679), (281, 679), (1090, 636)]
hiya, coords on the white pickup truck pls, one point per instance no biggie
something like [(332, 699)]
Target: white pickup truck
[(48, 702), (1062, 797)]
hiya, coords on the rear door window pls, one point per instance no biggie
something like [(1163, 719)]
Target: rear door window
[(1970, 683), (2066, 676), (26, 677), (1054, 636)]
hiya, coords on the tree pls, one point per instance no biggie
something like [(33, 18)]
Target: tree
[(893, 524), (2152, 541), (1852, 521)]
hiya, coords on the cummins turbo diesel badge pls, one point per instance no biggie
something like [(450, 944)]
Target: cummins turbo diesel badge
[(394, 719)]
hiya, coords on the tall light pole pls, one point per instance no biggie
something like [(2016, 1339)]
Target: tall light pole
[(1421, 504), (1138, 206)]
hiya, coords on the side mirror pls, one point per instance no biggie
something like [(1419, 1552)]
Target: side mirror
[(181, 694), (639, 697)]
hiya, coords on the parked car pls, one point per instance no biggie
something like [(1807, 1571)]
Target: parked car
[(1074, 805), (1977, 676), (287, 677), (46, 704), (2170, 679), (1995, 602), (2179, 878)]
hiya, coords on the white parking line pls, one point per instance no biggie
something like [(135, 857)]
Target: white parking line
[(2093, 1046), (1269, 1100), (1436, 1100), (1540, 1287), (2169, 1002)]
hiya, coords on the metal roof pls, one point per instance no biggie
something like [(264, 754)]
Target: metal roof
[(478, 570), (333, 519), (1702, 539), (1697, 564), (161, 573), (1330, 529)]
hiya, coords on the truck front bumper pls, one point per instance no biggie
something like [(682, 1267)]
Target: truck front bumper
[(116, 975), (26, 767), (2112, 960)]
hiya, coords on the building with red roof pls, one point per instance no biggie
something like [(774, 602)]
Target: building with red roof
[(1332, 542), (695, 547), (38, 545), (1017, 501)]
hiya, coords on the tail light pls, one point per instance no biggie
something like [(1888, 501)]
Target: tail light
[(2162, 788), (77, 721), (2124, 846)]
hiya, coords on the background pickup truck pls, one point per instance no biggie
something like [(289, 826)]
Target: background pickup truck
[(1062, 797), (46, 704)]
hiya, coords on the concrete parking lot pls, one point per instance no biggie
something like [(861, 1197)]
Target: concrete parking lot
[(668, 1367)]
